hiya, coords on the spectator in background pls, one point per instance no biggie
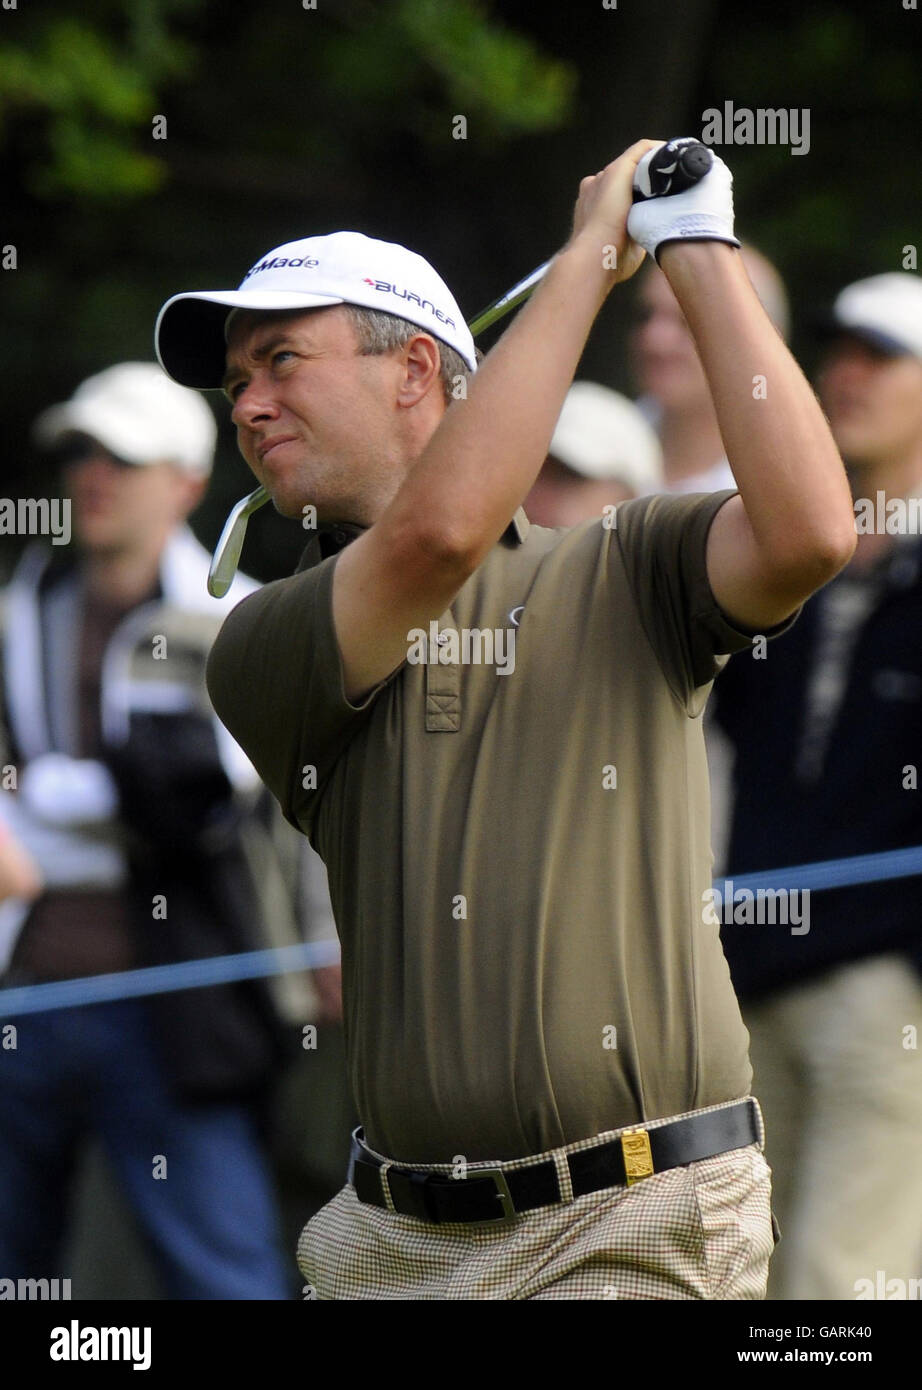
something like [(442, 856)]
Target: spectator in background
[(675, 395), (136, 806), (602, 452), (677, 401), (19, 874), (826, 731)]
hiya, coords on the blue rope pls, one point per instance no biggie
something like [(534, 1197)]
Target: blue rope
[(836, 873), (164, 979), (251, 965)]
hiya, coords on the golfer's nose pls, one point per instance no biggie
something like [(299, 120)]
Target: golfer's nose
[(254, 402)]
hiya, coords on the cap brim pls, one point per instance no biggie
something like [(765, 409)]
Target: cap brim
[(72, 418), (827, 327), (189, 334), (52, 424)]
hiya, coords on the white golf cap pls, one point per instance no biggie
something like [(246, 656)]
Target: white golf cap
[(136, 413), (342, 268), (602, 435), (885, 311)]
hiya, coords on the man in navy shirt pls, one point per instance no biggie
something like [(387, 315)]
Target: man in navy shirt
[(826, 728)]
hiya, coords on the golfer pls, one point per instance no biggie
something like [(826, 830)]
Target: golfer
[(544, 1045)]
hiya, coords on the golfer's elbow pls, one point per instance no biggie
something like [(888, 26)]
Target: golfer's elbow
[(446, 546), (839, 546), (813, 556)]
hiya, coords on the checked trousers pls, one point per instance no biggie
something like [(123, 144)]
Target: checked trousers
[(701, 1231)]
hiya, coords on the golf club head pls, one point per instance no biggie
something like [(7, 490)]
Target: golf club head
[(226, 557)]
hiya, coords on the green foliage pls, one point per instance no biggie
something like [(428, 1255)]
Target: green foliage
[(486, 68), (285, 122), (92, 96), (846, 209), (92, 85)]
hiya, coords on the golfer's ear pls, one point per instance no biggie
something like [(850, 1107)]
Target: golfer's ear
[(421, 365)]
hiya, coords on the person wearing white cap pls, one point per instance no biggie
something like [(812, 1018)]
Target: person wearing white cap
[(676, 399), (602, 452), (136, 413), (129, 794), (675, 394), (538, 1017), (826, 734)]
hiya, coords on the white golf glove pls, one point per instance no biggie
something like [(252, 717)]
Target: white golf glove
[(703, 212)]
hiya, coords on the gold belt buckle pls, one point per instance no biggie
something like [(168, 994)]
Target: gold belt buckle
[(638, 1159)]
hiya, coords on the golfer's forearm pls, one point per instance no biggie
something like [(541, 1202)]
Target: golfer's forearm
[(783, 457), (489, 448)]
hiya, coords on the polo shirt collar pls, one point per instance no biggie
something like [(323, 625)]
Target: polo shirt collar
[(332, 536)]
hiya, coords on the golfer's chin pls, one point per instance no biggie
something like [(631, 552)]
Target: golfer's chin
[(287, 506), (290, 495), (293, 493)]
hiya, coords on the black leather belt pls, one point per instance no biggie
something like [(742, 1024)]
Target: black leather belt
[(491, 1194)]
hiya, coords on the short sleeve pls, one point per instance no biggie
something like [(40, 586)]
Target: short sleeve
[(662, 541), (275, 678)]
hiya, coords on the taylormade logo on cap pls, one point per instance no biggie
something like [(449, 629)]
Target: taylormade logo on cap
[(316, 272), (276, 263), (340, 280)]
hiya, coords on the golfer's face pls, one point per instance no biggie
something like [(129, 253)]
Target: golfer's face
[(117, 506), (873, 401), (665, 359), (311, 412)]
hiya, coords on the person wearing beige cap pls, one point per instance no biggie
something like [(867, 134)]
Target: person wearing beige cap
[(826, 733), (129, 794), (602, 452)]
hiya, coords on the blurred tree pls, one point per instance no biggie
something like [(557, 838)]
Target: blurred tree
[(848, 206), (109, 219), (79, 94), (283, 120)]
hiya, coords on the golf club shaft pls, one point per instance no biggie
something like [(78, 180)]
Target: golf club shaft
[(508, 301)]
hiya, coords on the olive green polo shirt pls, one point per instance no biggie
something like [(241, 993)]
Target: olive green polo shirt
[(517, 861)]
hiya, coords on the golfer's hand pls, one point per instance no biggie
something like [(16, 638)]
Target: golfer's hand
[(601, 212)]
